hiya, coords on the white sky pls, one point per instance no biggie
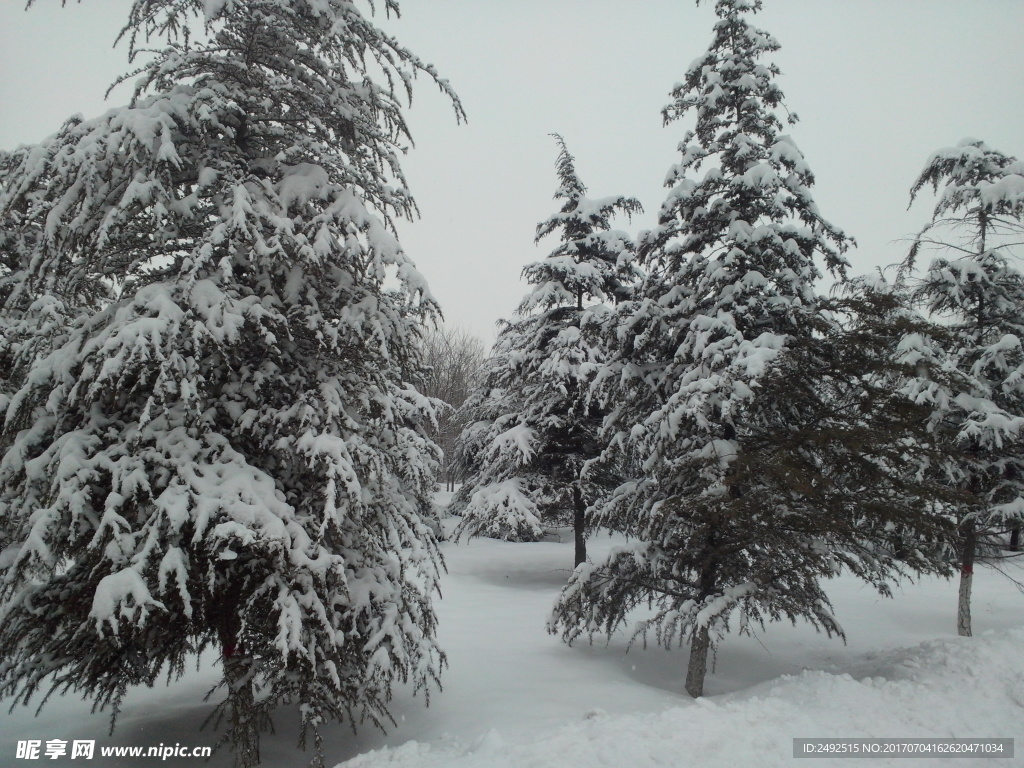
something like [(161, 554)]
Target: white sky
[(878, 84)]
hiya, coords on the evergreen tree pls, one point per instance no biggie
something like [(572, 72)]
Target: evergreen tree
[(11, 266), (533, 429), (213, 436), (736, 395), (974, 290)]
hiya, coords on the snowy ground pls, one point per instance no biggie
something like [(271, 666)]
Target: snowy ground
[(515, 696)]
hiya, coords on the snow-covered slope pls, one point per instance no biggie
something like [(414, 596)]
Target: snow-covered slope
[(942, 688), (516, 696)]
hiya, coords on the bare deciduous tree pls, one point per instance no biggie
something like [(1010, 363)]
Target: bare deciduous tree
[(453, 356)]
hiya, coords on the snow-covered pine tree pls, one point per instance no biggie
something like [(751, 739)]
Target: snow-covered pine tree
[(500, 509), (734, 395), (11, 266), (226, 449), (974, 289), (532, 428)]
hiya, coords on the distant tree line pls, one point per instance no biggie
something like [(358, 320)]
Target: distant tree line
[(694, 390)]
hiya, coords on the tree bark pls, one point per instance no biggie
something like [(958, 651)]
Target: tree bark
[(969, 541), (1015, 537), (700, 642), (698, 666), (579, 525)]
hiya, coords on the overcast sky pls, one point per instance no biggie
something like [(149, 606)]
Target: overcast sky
[(878, 85)]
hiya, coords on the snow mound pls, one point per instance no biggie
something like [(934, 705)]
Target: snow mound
[(959, 687)]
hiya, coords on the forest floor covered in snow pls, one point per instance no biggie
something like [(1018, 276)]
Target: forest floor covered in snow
[(515, 696)]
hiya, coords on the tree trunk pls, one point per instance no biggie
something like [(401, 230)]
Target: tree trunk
[(698, 666), (969, 540), (243, 720), (579, 525), (1015, 536)]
